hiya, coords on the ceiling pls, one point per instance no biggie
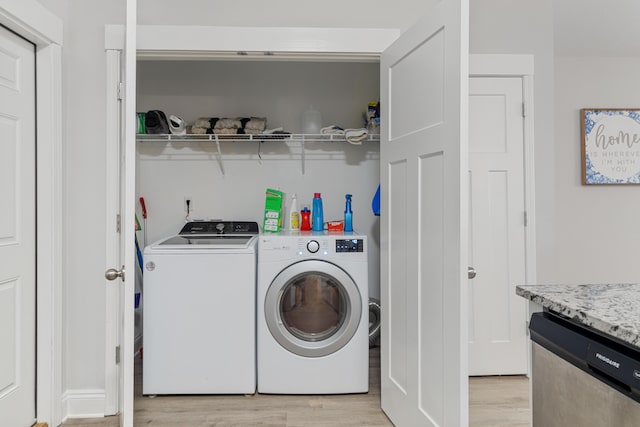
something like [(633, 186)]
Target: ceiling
[(597, 28)]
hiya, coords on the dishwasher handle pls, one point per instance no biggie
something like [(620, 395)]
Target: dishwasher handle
[(618, 370), (612, 381)]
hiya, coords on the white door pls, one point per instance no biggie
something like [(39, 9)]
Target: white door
[(424, 96), (114, 136), (497, 316), (124, 272), (17, 231)]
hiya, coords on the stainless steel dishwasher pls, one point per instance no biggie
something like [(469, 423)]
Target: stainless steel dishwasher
[(581, 377)]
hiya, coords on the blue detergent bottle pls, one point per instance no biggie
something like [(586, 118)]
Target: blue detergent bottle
[(348, 214), (317, 213)]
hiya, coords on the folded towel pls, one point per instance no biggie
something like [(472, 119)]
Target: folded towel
[(332, 130), (356, 136), (274, 130), (196, 130), (177, 125), (228, 124), (155, 122), (225, 131)]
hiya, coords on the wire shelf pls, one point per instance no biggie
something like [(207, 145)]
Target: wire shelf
[(249, 137)]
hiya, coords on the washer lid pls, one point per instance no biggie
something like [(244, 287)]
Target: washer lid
[(204, 241)]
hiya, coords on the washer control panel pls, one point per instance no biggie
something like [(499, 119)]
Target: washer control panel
[(220, 227)]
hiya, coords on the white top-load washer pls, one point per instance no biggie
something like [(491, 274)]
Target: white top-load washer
[(313, 328), (199, 310)]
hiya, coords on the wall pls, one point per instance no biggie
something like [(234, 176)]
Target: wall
[(284, 13), (524, 28), (83, 115), (598, 229), (279, 91)]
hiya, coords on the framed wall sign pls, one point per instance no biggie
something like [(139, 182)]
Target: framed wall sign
[(610, 146)]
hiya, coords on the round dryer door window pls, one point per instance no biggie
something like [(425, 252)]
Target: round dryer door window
[(313, 308)]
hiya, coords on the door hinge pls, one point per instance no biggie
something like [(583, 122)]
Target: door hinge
[(117, 355), (526, 327), (120, 91), (526, 220), (118, 223)]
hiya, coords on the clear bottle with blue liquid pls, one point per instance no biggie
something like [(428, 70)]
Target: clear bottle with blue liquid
[(317, 213), (348, 214)]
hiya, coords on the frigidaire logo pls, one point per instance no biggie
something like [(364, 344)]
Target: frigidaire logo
[(605, 359)]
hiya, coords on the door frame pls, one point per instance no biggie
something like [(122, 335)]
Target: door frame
[(177, 42), (112, 240), (31, 20), (519, 66)]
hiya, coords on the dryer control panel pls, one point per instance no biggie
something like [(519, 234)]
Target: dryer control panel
[(289, 245), (349, 245)]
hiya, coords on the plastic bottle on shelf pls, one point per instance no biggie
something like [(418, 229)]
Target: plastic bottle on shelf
[(305, 215), (311, 121), (293, 219), (348, 214), (318, 215)]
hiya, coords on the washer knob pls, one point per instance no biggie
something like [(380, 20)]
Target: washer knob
[(313, 246), (220, 227)]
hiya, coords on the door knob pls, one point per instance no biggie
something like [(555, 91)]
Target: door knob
[(471, 272), (113, 274)]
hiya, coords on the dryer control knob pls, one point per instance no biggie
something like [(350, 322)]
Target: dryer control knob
[(313, 246)]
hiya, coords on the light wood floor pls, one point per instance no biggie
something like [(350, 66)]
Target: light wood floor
[(493, 401)]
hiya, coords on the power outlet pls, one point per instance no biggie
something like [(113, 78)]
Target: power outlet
[(188, 204)]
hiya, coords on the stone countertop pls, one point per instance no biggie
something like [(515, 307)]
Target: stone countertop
[(610, 308)]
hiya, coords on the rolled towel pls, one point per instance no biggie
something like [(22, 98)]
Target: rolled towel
[(356, 136), (256, 124), (203, 122), (332, 130)]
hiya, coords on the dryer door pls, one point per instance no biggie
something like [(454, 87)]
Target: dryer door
[(313, 308)]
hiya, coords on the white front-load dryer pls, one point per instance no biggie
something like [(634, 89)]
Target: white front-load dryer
[(312, 313)]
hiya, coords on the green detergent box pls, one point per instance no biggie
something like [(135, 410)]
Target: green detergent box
[(272, 211)]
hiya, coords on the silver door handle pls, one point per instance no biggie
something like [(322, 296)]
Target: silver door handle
[(471, 272), (113, 274)]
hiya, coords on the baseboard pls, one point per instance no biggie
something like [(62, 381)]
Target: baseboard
[(83, 404)]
